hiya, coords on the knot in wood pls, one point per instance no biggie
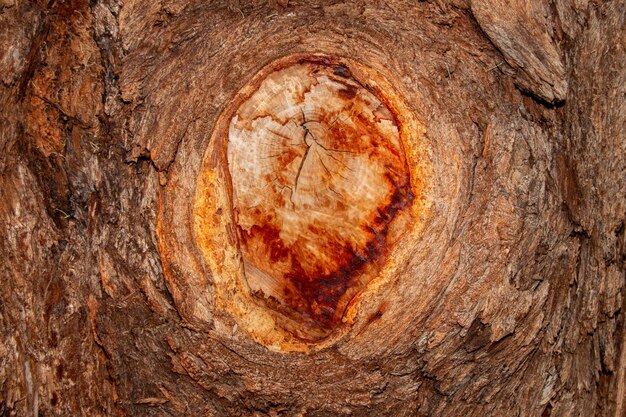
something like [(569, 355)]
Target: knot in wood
[(318, 172)]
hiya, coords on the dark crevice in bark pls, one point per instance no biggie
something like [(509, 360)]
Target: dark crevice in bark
[(34, 58)]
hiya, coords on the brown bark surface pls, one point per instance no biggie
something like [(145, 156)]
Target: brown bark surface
[(499, 291)]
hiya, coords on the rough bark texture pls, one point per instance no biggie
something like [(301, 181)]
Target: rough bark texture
[(509, 300)]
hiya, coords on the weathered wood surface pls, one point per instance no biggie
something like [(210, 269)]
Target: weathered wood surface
[(510, 300)]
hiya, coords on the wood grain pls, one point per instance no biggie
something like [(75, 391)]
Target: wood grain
[(501, 284)]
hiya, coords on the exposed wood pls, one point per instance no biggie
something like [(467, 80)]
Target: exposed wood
[(304, 197)]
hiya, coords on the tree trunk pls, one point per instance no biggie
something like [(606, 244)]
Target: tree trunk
[(313, 208)]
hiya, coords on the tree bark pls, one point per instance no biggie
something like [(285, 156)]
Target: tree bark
[(481, 273)]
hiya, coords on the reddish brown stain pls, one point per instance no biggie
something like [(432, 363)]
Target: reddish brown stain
[(348, 93), (319, 293)]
